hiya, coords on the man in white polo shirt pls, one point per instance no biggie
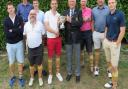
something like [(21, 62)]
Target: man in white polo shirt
[(54, 45), (39, 17), (34, 30)]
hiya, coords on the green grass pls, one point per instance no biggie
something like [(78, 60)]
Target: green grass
[(88, 81)]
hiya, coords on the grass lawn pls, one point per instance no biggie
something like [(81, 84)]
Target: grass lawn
[(88, 81)]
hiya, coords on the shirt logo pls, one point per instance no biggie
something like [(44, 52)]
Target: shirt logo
[(114, 18)]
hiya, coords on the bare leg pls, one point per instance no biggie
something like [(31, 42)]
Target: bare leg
[(32, 71), (40, 68), (20, 69), (12, 70), (50, 66), (58, 65), (97, 57), (114, 77), (91, 61)]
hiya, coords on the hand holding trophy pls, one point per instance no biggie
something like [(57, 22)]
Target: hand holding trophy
[(62, 20)]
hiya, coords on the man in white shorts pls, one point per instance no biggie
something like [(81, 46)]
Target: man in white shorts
[(13, 28), (99, 14)]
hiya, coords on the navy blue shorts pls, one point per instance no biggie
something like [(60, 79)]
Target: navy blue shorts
[(35, 55), (86, 40)]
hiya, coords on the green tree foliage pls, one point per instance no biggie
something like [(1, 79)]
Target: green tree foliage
[(44, 5)]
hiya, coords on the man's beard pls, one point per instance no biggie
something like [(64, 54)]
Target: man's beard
[(32, 19)]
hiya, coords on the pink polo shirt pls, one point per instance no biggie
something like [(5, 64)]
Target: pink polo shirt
[(86, 12)]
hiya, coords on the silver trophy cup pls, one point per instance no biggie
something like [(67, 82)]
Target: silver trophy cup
[(62, 20)]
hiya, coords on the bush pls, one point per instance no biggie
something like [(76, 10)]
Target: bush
[(44, 5)]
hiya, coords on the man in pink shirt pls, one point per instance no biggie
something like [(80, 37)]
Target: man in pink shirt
[(86, 33)]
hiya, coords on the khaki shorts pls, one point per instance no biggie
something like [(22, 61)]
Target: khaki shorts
[(112, 52)]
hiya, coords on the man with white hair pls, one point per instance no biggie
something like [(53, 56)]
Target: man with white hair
[(86, 33), (34, 31), (23, 9), (39, 17), (72, 38)]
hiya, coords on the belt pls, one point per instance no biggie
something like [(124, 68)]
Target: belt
[(111, 40), (100, 31)]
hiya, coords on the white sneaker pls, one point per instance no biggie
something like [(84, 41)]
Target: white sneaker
[(58, 75), (50, 79), (96, 71), (109, 74), (31, 81), (108, 85), (40, 82)]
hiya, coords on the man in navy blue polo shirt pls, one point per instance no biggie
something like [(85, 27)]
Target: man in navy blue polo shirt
[(115, 30)]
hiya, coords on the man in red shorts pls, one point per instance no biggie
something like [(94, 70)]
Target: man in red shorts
[(54, 40)]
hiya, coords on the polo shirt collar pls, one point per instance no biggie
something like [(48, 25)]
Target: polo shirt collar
[(52, 13), (85, 8), (113, 13), (26, 4), (101, 8)]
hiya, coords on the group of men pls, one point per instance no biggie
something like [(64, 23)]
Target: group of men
[(102, 25)]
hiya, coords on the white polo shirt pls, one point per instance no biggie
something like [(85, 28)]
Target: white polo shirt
[(52, 20), (34, 34)]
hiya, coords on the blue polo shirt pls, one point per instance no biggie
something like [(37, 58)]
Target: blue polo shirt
[(113, 23), (23, 10), (99, 17)]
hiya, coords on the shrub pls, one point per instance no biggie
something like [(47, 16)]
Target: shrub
[(44, 5)]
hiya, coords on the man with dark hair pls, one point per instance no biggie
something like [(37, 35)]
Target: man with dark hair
[(86, 33), (13, 29), (54, 42), (23, 9), (72, 38), (99, 14)]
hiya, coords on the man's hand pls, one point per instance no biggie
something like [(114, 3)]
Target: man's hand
[(57, 33), (86, 19), (10, 30), (58, 21), (118, 43), (68, 18)]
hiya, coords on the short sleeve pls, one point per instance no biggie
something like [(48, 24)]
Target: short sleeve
[(122, 19)]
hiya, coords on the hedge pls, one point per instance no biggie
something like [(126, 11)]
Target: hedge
[(44, 5)]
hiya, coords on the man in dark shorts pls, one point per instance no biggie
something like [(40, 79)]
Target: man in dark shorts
[(86, 34), (34, 30)]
